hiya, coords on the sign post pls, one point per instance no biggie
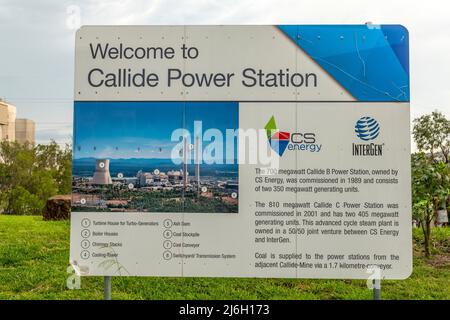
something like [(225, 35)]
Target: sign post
[(376, 289), (107, 288), (242, 151)]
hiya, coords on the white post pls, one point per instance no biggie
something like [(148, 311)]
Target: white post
[(107, 288)]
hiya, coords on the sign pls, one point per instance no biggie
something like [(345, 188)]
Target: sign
[(242, 151)]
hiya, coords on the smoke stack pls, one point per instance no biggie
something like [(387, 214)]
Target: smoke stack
[(197, 159), (185, 151)]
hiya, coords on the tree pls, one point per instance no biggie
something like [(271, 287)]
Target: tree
[(30, 174), (432, 134), (21, 200), (430, 189), (58, 161)]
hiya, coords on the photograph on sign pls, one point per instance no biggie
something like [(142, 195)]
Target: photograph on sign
[(157, 147)]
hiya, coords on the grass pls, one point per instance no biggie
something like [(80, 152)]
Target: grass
[(34, 258)]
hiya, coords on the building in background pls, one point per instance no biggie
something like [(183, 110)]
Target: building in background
[(25, 130), (12, 129), (7, 121)]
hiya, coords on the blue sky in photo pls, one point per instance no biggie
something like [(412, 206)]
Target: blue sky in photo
[(144, 129)]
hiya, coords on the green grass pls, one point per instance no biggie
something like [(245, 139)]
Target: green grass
[(34, 257)]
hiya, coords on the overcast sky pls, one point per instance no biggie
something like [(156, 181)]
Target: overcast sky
[(37, 43)]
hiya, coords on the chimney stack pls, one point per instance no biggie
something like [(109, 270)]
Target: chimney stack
[(197, 159)]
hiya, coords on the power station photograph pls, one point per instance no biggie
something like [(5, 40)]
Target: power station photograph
[(134, 161)]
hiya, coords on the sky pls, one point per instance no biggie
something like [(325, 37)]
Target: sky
[(145, 129), (37, 43)]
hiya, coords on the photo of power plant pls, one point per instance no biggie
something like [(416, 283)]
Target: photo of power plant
[(137, 175)]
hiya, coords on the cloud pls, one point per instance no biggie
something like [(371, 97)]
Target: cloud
[(59, 135)]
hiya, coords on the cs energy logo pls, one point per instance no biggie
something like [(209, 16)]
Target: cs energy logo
[(279, 141), (367, 129)]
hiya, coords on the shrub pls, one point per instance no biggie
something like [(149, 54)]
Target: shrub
[(30, 174)]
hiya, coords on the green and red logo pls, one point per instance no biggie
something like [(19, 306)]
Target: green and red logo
[(279, 141)]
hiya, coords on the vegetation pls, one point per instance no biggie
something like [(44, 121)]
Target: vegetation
[(430, 172), (34, 256), (431, 133), (430, 189), (30, 174)]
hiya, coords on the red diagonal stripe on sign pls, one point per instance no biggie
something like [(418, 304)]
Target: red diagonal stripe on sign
[(281, 135)]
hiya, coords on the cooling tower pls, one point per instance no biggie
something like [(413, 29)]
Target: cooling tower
[(101, 175)]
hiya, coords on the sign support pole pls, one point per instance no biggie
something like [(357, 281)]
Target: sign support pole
[(107, 288), (377, 289)]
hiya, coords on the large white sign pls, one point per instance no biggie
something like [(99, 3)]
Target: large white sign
[(242, 151)]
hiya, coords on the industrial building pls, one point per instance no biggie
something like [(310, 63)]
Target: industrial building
[(25, 131), (12, 129), (7, 121)]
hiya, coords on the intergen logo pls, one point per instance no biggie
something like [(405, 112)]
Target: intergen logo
[(367, 128), (279, 141)]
